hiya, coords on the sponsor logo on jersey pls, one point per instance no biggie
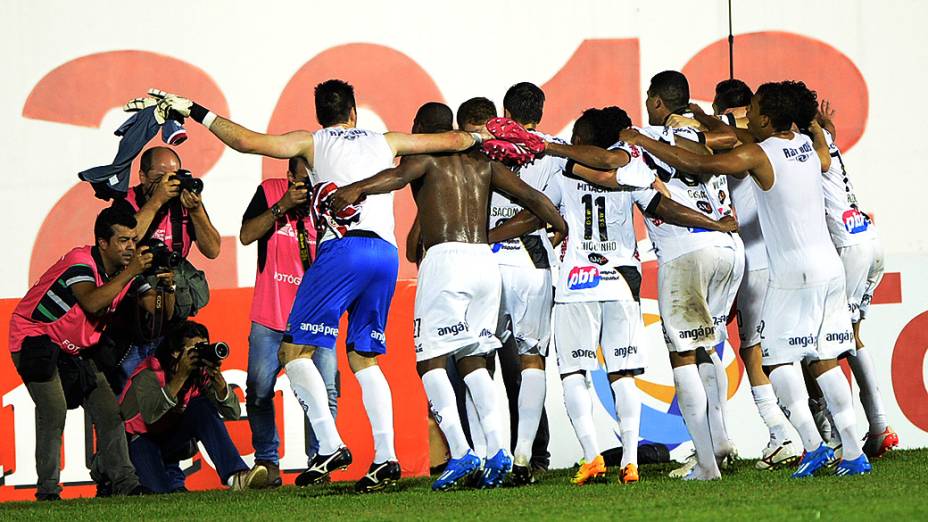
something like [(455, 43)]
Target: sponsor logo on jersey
[(705, 206), (804, 341), (697, 333), (801, 154), (582, 277), (599, 259), (840, 337), (496, 247), (602, 246), (379, 336), (722, 197), (588, 354), (625, 351), (319, 328), (486, 333), (855, 221), (454, 329)]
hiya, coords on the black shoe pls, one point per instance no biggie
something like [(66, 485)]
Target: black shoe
[(378, 477), (104, 489), (521, 476), (321, 465), (45, 497)]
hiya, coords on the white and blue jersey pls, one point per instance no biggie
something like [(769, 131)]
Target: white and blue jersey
[(356, 273)]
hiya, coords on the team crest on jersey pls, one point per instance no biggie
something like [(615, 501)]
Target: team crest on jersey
[(855, 221), (599, 259), (583, 277)]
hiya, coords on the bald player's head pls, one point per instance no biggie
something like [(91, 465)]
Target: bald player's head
[(433, 117), (474, 113)]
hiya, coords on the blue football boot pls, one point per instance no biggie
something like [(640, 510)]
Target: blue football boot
[(495, 469), (814, 461), (456, 470), (858, 466)]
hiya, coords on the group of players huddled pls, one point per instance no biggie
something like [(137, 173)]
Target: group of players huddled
[(748, 207)]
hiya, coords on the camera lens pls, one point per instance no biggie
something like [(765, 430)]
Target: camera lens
[(221, 350)]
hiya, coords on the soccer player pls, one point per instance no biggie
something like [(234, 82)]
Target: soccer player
[(805, 309), (859, 248), (458, 296), (355, 268), (732, 98), (597, 296), (527, 292)]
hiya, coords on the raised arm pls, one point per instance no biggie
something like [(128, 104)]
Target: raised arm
[(820, 145), (386, 181), (826, 118), (508, 183), (590, 155), (404, 144)]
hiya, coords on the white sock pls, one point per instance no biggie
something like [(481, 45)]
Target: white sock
[(837, 393), (309, 388), (444, 407), (691, 396), (378, 402), (770, 412), (531, 403), (865, 374), (628, 406), (791, 392), (580, 410), (477, 438), (480, 385), (716, 391)]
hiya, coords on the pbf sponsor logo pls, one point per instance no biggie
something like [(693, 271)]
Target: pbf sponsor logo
[(582, 277), (854, 221)]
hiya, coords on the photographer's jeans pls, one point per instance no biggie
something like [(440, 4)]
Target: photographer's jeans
[(135, 355), (201, 421), (263, 368)]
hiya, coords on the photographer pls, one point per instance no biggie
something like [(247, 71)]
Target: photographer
[(176, 398), (278, 219), (65, 313), (168, 208)]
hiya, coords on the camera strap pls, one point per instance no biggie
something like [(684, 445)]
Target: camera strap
[(177, 226), (157, 320), (303, 242)]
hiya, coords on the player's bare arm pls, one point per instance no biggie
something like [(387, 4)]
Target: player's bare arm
[(505, 181), (735, 163), (518, 225), (590, 155), (385, 181), (677, 214), (403, 144), (820, 145), (718, 135), (280, 146)]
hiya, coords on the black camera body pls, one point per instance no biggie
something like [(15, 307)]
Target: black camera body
[(188, 182), (163, 258), (212, 352)]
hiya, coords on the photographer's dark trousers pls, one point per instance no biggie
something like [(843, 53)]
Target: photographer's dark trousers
[(201, 422), (50, 412)]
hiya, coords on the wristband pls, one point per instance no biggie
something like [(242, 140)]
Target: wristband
[(276, 210), (202, 115), (478, 139)]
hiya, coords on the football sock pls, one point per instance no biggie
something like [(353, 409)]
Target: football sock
[(580, 410), (444, 408), (865, 374), (837, 393), (791, 392), (480, 385), (531, 404), (378, 402), (309, 388), (628, 407), (691, 396)]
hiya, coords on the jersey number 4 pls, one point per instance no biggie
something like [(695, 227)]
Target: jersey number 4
[(600, 217)]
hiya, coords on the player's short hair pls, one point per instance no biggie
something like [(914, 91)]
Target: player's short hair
[(334, 101), (732, 93), (609, 122), (475, 111), (585, 128), (805, 104), (433, 117), (146, 159), (115, 215), (672, 88), (525, 102), (776, 101)]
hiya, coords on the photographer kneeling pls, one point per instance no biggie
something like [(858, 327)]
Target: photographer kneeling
[(175, 398)]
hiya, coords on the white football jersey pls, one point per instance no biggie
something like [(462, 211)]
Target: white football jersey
[(742, 196), (532, 250), (671, 241), (792, 216), (846, 223), (343, 156), (602, 238)]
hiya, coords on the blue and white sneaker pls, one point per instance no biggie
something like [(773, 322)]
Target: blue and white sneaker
[(814, 461), (495, 469), (456, 470), (858, 466)]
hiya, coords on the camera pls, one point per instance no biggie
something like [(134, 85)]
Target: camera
[(163, 259), (188, 182), (212, 352)]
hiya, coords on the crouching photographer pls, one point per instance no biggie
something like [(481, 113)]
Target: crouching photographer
[(177, 397), (51, 330)]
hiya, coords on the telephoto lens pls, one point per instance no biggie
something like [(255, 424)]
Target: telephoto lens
[(212, 352)]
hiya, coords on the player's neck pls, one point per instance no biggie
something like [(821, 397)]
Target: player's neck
[(529, 126)]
